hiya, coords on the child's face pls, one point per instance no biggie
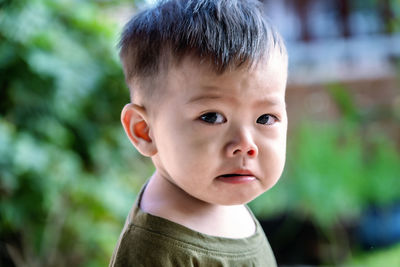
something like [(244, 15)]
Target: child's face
[(222, 139)]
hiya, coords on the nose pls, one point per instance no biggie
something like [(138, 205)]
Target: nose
[(242, 144)]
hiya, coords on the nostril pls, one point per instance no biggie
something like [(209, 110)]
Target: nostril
[(237, 151), (251, 152), (243, 150)]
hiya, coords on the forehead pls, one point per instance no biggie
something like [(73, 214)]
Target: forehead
[(266, 77)]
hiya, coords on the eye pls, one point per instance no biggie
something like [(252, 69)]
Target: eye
[(267, 119), (213, 118)]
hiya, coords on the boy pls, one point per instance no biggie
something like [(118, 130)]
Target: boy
[(207, 81)]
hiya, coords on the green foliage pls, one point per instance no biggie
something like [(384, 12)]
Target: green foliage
[(388, 257), (67, 173), (344, 101)]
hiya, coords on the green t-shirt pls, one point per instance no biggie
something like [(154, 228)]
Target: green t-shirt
[(148, 240)]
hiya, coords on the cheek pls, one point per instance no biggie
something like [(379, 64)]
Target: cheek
[(197, 137), (273, 155), (182, 147), (200, 149)]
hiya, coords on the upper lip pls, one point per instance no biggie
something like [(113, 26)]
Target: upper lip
[(240, 172)]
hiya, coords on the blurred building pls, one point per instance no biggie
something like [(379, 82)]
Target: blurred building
[(352, 43), (331, 40)]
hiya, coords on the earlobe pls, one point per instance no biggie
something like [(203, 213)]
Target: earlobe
[(135, 122)]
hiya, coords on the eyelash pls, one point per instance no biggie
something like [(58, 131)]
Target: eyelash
[(203, 118), (270, 116)]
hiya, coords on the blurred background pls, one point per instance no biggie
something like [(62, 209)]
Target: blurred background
[(68, 175)]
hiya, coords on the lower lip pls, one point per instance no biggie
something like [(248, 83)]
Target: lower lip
[(237, 179)]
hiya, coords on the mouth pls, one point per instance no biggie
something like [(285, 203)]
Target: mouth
[(237, 177)]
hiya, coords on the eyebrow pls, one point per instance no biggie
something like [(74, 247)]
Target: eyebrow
[(204, 97), (269, 101)]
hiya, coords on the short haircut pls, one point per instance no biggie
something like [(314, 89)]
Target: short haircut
[(226, 33)]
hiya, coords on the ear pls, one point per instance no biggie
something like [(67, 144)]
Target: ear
[(135, 122)]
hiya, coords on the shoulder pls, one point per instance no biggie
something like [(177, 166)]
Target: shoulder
[(142, 247)]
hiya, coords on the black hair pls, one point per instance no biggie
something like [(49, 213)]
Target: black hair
[(228, 33)]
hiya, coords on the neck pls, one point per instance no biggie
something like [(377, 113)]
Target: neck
[(164, 199)]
